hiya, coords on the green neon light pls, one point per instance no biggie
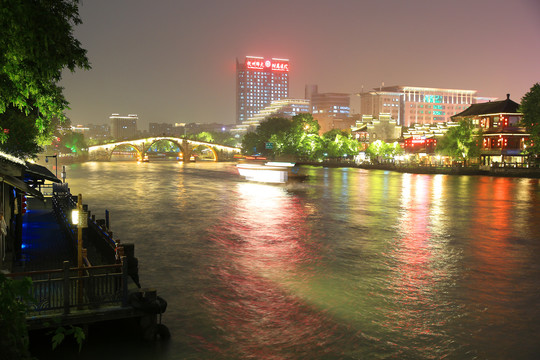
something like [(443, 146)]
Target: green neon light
[(433, 99)]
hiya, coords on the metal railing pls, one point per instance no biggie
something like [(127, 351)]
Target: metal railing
[(61, 290)]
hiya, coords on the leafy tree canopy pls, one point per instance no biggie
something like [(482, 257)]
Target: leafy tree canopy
[(530, 107), (255, 142), (36, 44), (21, 133), (73, 143), (14, 296), (298, 138), (380, 150), (339, 143), (460, 142)]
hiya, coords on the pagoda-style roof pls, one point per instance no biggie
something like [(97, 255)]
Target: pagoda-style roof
[(493, 107)]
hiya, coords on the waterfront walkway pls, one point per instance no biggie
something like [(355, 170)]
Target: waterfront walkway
[(45, 245)]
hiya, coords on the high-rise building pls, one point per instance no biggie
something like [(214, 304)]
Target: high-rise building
[(259, 81), (123, 127), (417, 105)]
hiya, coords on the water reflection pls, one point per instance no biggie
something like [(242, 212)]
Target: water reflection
[(352, 264), (263, 240)]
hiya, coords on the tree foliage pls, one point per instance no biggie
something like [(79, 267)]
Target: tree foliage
[(298, 138), (461, 142), (73, 142), (22, 133), (36, 45), (301, 140), (14, 295), (216, 137), (255, 142), (339, 143), (530, 108), (380, 150)]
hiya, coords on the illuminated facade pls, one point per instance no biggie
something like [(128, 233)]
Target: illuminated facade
[(331, 110), (503, 140), (418, 105), (282, 108), (259, 81), (370, 129), (123, 127), (422, 138)]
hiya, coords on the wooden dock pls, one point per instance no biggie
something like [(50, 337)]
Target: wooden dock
[(106, 287)]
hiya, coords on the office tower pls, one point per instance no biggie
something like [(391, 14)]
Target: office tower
[(123, 127), (259, 81)]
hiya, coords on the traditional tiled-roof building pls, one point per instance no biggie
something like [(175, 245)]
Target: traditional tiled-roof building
[(503, 139)]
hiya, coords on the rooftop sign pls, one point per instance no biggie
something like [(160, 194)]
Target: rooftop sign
[(257, 63)]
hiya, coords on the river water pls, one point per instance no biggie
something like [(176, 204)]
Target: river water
[(351, 264)]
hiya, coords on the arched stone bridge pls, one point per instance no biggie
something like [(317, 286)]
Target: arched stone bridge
[(186, 146)]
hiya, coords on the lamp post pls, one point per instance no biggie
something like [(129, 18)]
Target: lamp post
[(79, 218), (55, 156)]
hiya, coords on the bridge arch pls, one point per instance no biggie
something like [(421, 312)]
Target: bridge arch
[(175, 141), (116, 146), (207, 147)]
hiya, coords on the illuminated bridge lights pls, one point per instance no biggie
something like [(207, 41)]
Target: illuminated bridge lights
[(141, 146)]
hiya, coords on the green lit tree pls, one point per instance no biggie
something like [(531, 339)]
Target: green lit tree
[(530, 108), (250, 142), (255, 142), (73, 143), (339, 143), (204, 136), (36, 45), (381, 151), (224, 138), (461, 142), (21, 133), (300, 141)]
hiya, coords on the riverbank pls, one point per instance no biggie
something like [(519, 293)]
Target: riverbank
[(445, 170)]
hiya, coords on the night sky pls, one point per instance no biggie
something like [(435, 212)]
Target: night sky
[(174, 61)]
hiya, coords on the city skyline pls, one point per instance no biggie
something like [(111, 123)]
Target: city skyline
[(175, 61)]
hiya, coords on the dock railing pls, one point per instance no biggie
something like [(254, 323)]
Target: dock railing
[(61, 290)]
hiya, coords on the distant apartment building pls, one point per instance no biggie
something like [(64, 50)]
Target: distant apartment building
[(98, 132), (259, 81), (160, 129), (81, 129), (123, 127), (331, 110), (418, 105)]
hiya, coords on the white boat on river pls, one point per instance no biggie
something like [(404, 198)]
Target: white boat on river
[(270, 171)]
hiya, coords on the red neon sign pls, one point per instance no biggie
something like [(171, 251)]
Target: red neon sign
[(255, 64), (418, 140), (280, 66), (261, 64)]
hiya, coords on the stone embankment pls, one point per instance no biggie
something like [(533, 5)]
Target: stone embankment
[(446, 170)]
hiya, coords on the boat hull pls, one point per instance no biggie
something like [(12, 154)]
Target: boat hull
[(270, 172)]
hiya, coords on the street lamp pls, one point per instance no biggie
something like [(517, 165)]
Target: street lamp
[(79, 218), (55, 160)]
